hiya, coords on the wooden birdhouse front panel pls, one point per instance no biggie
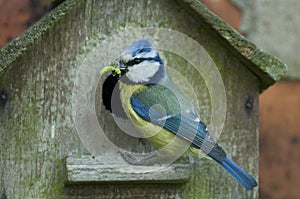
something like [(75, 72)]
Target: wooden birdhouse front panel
[(54, 129)]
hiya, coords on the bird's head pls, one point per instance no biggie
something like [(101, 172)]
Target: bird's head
[(140, 63)]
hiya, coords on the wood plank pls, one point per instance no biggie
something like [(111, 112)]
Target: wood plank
[(86, 169)]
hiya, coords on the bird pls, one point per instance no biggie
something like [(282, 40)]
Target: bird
[(153, 102)]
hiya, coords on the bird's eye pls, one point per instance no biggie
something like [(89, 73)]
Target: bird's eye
[(134, 61), (137, 60)]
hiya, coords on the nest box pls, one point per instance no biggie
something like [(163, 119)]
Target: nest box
[(42, 155)]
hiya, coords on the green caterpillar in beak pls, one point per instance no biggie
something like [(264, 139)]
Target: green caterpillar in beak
[(113, 69)]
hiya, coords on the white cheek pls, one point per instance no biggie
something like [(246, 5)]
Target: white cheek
[(142, 72)]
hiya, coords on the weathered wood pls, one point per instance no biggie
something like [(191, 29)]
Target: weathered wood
[(86, 169), (268, 68), (37, 75)]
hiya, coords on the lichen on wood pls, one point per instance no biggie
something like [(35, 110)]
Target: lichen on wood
[(38, 70)]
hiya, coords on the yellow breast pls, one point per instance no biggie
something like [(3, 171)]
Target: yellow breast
[(160, 138)]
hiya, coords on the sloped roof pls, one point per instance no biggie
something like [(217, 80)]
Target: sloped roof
[(266, 67)]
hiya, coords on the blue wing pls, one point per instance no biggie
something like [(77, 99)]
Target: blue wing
[(183, 126), (195, 132)]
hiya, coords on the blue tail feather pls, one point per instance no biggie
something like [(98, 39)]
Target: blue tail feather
[(239, 174)]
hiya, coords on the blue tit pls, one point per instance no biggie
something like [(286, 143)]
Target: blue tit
[(154, 103)]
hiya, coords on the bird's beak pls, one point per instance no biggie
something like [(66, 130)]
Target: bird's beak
[(117, 64), (116, 68), (121, 66)]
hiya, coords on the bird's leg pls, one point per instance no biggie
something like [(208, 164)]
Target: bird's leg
[(149, 159)]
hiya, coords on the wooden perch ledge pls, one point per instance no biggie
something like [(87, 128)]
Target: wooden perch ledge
[(86, 169)]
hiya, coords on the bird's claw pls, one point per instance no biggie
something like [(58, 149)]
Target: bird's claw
[(149, 159)]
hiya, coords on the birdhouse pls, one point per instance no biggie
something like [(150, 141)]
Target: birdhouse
[(57, 140)]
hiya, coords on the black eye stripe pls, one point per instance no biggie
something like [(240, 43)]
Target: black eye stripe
[(135, 61), (139, 60)]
